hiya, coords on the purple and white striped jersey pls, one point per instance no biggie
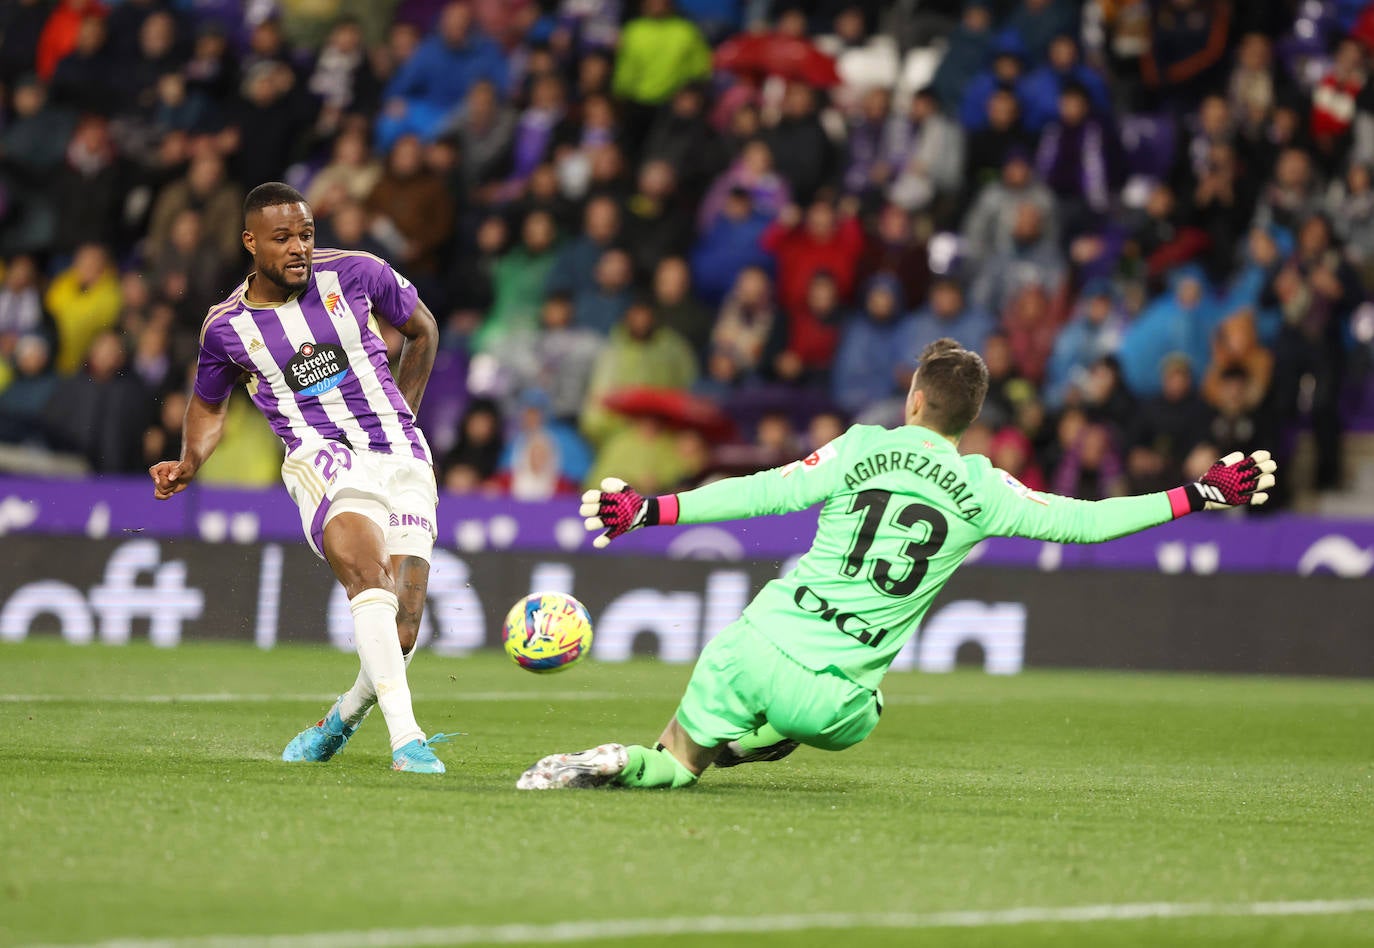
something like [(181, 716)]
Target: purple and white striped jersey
[(317, 365)]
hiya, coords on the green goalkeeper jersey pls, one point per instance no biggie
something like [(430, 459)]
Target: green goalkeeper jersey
[(902, 510)]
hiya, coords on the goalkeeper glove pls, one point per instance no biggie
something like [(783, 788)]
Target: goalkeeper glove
[(1234, 481), (618, 508)]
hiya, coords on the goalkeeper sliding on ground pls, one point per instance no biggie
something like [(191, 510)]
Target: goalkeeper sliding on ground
[(902, 509)]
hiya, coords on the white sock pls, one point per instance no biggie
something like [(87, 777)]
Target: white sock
[(355, 703), (374, 632)]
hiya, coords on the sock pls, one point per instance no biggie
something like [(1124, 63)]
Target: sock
[(649, 767), (765, 735), (374, 632), (357, 702)]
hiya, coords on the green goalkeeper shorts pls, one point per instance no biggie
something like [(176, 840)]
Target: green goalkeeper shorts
[(742, 680)]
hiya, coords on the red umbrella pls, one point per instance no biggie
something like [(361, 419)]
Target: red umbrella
[(673, 407), (775, 54)]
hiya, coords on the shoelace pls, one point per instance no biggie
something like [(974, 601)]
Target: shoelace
[(441, 738)]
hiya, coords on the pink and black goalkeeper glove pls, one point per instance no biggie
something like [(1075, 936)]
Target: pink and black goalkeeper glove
[(1234, 481), (618, 508)]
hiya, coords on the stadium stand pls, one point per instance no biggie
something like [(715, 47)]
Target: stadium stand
[(685, 239)]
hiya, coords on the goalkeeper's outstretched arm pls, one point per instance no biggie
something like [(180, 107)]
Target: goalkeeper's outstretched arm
[(618, 508), (1234, 481)]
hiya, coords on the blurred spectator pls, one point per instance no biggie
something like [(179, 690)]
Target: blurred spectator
[(1251, 90), (1167, 428), (893, 248), (1007, 389), (1030, 326), (1079, 160), (534, 473), (534, 129), (640, 353), (991, 147), (413, 204), (865, 171), (101, 413), (1032, 258), (518, 281), (601, 306), (923, 154), (749, 332), (84, 302), (473, 459), (21, 25), (802, 150), (573, 269), (1236, 349), (1315, 291), (1223, 202), (728, 244), (61, 31), (1040, 90), (186, 267), (1179, 322), (675, 305), (1290, 197), (1094, 332), (1187, 41), (204, 189), (990, 225), (21, 306), (812, 332), (33, 142), (469, 280), (1011, 451), (969, 50), (575, 144), (24, 400), (1006, 70), (946, 314), (351, 174), (864, 60), (825, 241), (684, 137), (658, 53), (212, 71), (155, 53), (1237, 424), (1038, 22), (268, 122), (342, 78), (752, 174), (1335, 103), (438, 76), (876, 356), (556, 361), (655, 223), (484, 128), (81, 80), (1106, 398), (1089, 468), (347, 228), (1350, 207), (89, 186)]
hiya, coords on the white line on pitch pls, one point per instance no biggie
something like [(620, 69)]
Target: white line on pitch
[(598, 930), (231, 698)]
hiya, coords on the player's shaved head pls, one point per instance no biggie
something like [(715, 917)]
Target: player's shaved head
[(952, 382), (279, 231)]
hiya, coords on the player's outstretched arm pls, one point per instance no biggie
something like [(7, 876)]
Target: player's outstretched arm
[(617, 508), (1236, 480), (201, 432)]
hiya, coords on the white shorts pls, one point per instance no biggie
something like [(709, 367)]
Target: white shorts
[(395, 491)]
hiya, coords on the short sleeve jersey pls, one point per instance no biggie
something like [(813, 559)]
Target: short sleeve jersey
[(317, 365)]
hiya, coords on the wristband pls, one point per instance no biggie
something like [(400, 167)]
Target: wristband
[(661, 510), (1185, 500)]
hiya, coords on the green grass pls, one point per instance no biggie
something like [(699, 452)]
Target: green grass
[(136, 819)]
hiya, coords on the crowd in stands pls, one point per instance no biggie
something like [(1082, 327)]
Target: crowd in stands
[(672, 239)]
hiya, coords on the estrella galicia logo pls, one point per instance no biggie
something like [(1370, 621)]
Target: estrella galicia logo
[(315, 369)]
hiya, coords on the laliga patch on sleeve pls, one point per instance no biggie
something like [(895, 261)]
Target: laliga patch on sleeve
[(816, 458), (1022, 491), (401, 281)]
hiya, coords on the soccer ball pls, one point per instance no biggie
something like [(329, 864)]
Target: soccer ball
[(547, 632)]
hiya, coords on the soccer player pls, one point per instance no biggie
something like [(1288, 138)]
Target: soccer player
[(902, 509), (302, 329)]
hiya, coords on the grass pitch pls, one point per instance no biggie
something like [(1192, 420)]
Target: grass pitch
[(141, 797)]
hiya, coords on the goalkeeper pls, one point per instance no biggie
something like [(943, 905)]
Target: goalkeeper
[(902, 508)]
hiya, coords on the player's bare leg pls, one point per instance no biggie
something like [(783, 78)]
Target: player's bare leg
[(677, 761)]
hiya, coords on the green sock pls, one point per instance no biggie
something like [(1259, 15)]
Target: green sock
[(765, 735), (649, 767)]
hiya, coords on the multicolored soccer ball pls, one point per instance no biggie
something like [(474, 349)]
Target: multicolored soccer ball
[(547, 632)]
